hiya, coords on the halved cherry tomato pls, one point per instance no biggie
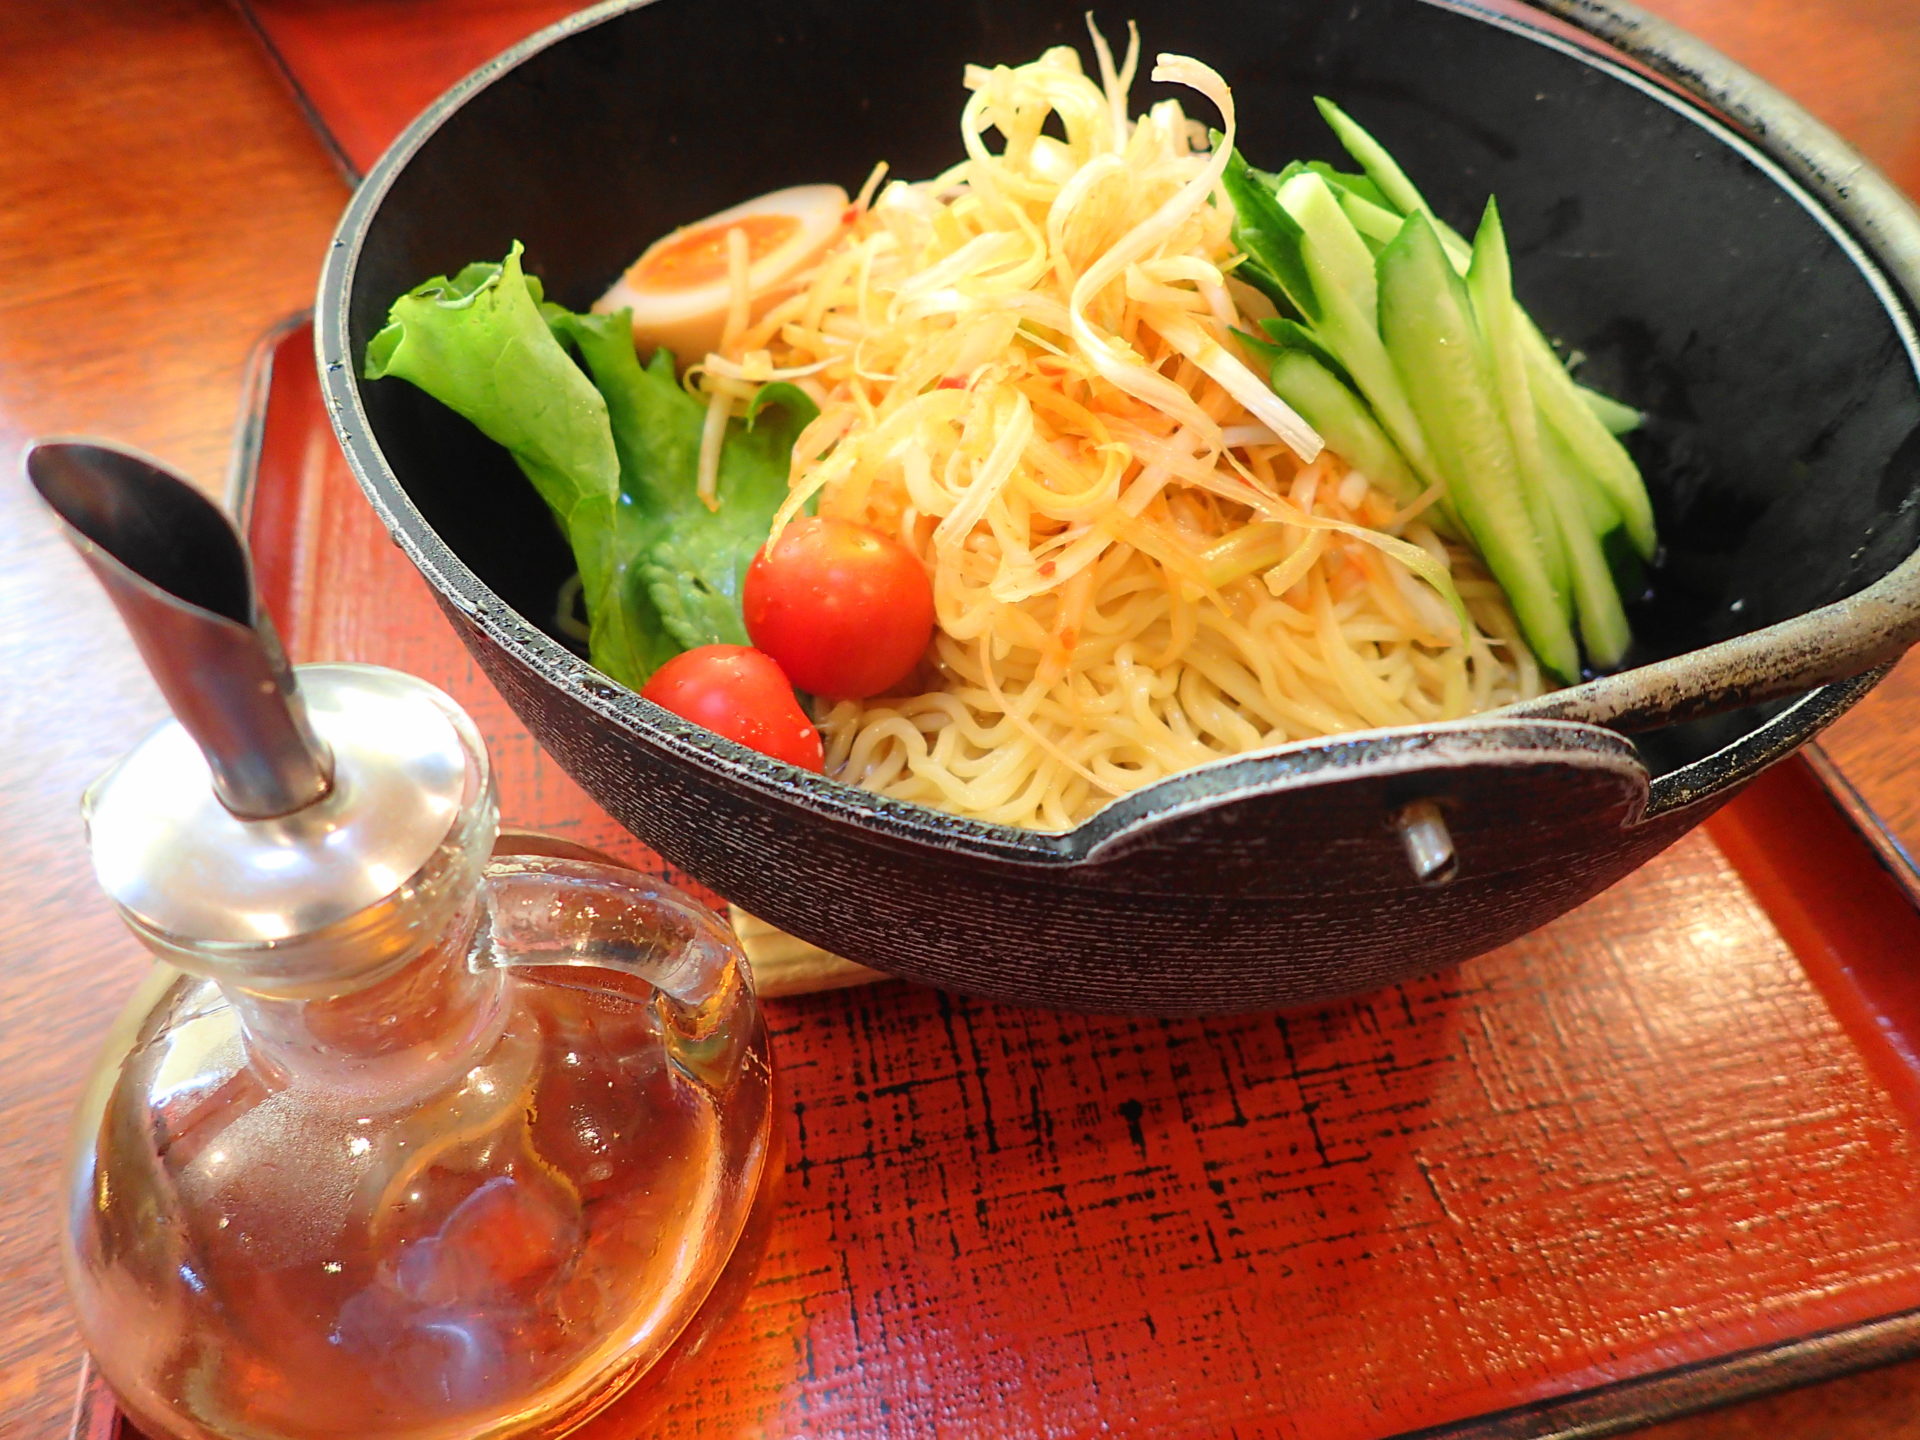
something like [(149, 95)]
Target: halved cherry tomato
[(845, 610), (739, 693)]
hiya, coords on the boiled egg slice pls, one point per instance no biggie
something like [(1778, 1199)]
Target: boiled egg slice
[(680, 289)]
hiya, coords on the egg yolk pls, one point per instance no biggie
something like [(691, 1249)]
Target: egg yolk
[(699, 256)]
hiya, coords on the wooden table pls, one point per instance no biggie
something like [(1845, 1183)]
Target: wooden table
[(161, 203)]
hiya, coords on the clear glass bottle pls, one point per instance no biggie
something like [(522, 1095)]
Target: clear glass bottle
[(403, 1141)]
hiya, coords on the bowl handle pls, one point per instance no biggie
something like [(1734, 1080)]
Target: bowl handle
[(1836, 642), (1465, 806)]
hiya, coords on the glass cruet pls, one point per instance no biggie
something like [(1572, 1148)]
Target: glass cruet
[(401, 1140)]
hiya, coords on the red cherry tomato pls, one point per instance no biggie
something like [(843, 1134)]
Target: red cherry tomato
[(845, 610), (741, 694)]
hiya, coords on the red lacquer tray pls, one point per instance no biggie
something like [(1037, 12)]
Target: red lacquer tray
[(1657, 1156)]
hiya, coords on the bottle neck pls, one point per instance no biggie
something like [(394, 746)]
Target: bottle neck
[(408, 1026), (342, 975)]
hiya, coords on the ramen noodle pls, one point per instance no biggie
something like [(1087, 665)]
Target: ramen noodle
[(1028, 373)]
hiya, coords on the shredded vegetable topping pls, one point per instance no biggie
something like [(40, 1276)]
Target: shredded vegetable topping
[(1142, 559)]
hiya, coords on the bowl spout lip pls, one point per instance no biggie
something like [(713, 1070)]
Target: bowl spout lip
[(1827, 657)]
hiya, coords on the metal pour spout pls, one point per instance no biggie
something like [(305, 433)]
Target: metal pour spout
[(177, 571)]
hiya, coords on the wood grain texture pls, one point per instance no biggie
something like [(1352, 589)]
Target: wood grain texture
[(328, 50), (961, 1250), (160, 204)]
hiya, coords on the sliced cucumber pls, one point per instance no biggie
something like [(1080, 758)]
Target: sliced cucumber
[(1429, 330), (1277, 254), (1271, 238), (1602, 515), (1359, 186), (1330, 244), (1554, 493), (1593, 448), (1352, 338), (1490, 286), (1604, 632), (1343, 421), (1603, 518), (1372, 157), (1438, 361), (1618, 418), (1290, 335), (1376, 223)]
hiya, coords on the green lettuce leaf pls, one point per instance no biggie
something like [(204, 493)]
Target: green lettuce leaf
[(479, 344), (613, 448)]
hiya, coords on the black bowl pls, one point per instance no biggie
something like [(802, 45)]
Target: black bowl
[(1744, 285)]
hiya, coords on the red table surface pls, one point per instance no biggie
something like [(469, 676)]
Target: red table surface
[(1673, 1129), (364, 68)]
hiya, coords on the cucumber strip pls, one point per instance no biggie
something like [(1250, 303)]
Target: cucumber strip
[(1372, 157), (1453, 242), (1376, 223), (1591, 441), (1564, 403), (1602, 515), (1490, 286), (1618, 418), (1291, 335), (1592, 491), (1271, 238), (1603, 519), (1592, 446), (1604, 632), (1339, 181), (1252, 272), (1275, 246), (1258, 346), (1326, 404), (1358, 186), (1331, 244), (1429, 330), (1357, 345), (1392, 184), (1293, 339)]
